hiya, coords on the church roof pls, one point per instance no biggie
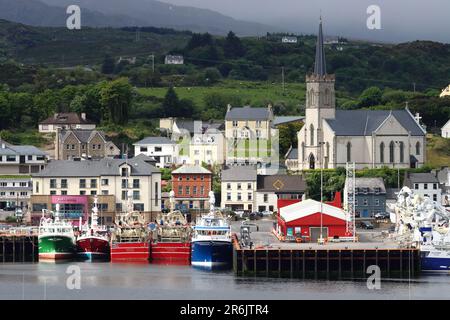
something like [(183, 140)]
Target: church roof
[(320, 66), (364, 122)]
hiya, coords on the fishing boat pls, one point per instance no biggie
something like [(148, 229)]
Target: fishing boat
[(211, 241), (93, 242), (424, 224), (171, 237), (56, 237), (130, 240)]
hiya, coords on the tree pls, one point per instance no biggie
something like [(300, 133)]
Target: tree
[(116, 98), (233, 47), (370, 97), (108, 65), (171, 103)]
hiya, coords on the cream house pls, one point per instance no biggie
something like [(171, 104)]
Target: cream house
[(208, 147), (239, 185), (445, 131), (249, 134), (445, 92), (331, 138), (104, 177)]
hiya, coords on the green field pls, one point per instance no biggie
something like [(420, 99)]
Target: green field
[(256, 94), (438, 151)]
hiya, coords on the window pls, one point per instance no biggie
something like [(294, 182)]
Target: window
[(82, 192), (30, 158), (188, 190), (229, 196), (249, 196), (124, 195), (418, 148), (68, 146), (425, 186), (377, 202), (124, 183), (156, 193), (196, 152), (136, 184), (239, 186), (235, 123), (228, 186), (434, 197), (82, 183), (391, 152), (349, 151), (435, 186), (10, 158), (202, 190), (93, 147), (194, 190), (93, 192), (180, 178), (180, 190), (416, 186), (53, 183), (63, 183), (73, 147), (311, 135), (266, 197), (136, 195), (249, 186), (143, 149), (124, 172), (365, 202), (259, 124), (105, 192), (402, 152), (138, 207), (188, 178), (93, 183), (382, 152), (53, 193), (105, 182), (202, 178), (239, 196)]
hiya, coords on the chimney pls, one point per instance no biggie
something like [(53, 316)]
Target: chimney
[(55, 116), (228, 107), (269, 107), (83, 116)]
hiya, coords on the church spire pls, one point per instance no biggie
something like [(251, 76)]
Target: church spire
[(320, 66)]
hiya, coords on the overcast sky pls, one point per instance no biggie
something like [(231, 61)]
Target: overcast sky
[(401, 20)]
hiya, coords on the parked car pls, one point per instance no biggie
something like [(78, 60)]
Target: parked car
[(267, 213), (253, 215), (382, 216), (366, 225)]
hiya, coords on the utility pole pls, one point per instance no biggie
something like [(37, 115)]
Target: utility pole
[(414, 86), (152, 56), (282, 77)]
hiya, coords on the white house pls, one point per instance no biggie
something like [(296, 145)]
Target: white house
[(445, 92), (288, 39), (162, 149), (424, 184), (208, 147), (446, 130), (239, 188), (171, 59), (66, 121)]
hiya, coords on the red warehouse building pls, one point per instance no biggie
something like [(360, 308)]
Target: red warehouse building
[(304, 219), (191, 185)]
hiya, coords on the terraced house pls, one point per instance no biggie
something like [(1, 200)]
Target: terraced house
[(73, 184), (88, 144)]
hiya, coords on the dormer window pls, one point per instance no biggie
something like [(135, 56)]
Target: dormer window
[(124, 172), (235, 123)]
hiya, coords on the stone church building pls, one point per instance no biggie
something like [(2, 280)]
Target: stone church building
[(371, 138)]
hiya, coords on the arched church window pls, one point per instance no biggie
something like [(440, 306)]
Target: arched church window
[(349, 151), (382, 152), (327, 97), (311, 134), (391, 152), (402, 152), (311, 97), (328, 150), (418, 148)]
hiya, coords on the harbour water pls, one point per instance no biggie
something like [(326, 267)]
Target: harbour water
[(117, 281)]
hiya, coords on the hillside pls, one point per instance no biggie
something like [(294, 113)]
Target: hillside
[(118, 13)]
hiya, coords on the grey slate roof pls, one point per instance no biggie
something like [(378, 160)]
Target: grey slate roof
[(92, 168), (422, 178), (187, 169), (154, 140), (249, 113), (292, 154), (286, 119), (320, 66), (364, 122), (11, 150), (239, 173), (66, 118), (281, 184), (370, 183), (83, 135)]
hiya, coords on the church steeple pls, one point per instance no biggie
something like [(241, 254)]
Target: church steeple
[(320, 66)]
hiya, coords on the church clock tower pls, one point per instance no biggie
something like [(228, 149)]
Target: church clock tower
[(320, 104)]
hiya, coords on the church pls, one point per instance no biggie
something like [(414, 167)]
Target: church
[(331, 137)]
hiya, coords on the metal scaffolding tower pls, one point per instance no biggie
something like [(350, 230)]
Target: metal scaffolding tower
[(350, 210)]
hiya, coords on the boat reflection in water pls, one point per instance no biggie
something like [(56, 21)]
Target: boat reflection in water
[(212, 247)]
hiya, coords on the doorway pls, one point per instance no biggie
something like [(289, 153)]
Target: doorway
[(314, 233), (312, 162)]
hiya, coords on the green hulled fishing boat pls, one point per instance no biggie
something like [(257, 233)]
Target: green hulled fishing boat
[(56, 238)]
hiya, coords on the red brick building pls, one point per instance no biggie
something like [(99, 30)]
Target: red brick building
[(191, 185)]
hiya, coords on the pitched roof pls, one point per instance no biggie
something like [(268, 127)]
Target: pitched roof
[(239, 173), (249, 113), (154, 140), (187, 169), (96, 168), (364, 122), (84, 135), (320, 65), (11, 150), (292, 154), (66, 118), (424, 177), (308, 207), (370, 183), (287, 119), (281, 183)]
